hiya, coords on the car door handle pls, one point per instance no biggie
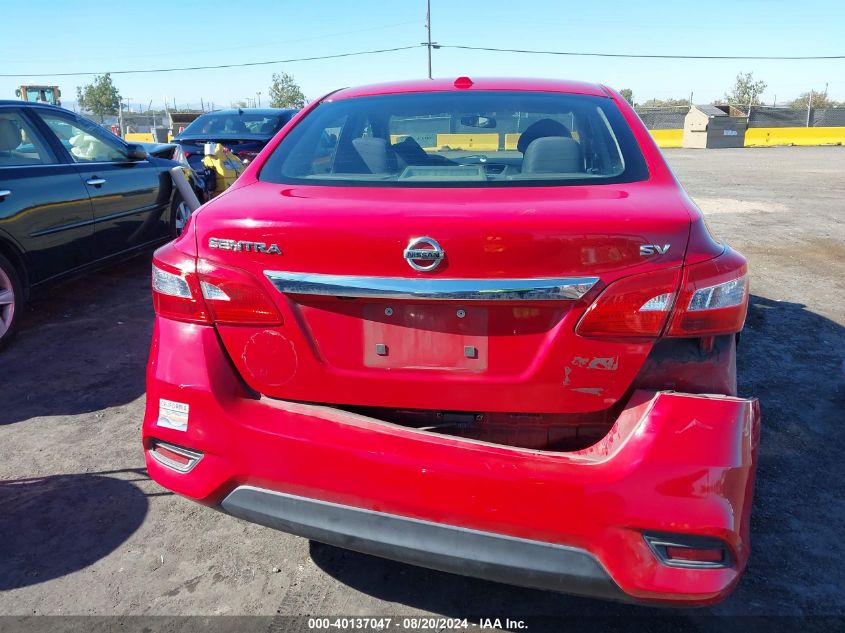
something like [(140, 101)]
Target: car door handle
[(4, 193), (95, 182)]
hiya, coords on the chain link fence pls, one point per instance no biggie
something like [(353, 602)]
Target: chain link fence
[(768, 116), (672, 118), (667, 118)]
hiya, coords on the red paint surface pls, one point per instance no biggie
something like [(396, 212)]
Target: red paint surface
[(672, 463)]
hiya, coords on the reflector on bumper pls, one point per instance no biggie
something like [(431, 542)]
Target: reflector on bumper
[(175, 457)]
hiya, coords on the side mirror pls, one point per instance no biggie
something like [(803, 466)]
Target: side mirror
[(136, 152)]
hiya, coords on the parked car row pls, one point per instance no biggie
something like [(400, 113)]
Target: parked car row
[(73, 196)]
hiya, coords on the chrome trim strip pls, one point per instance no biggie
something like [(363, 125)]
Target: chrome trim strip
[(540, 289)]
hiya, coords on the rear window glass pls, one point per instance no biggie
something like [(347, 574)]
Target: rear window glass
[(467, 139), (233, 124)]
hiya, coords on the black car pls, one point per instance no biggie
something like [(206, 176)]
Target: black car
[(244, 131), (72, 196)]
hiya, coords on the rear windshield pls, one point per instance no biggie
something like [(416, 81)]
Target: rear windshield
[(466, 139), (234, 124)]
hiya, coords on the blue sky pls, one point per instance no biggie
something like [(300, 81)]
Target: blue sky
[(49, 36)]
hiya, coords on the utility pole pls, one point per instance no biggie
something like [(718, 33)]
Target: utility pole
[(809, 107), (429, 44), (120, 117)]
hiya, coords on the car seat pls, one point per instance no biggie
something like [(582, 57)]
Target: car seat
[(10, 140), (540, 129), (553, 155), (376, 154)]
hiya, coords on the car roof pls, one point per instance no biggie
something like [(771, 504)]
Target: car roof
[(480, 83), (30, 104), (252, 111)]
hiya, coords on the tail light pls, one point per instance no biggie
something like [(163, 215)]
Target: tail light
[(176, 289), (180, 155), (197, 291), (246, 155), (712, 299), (635, 306), (234, 296)]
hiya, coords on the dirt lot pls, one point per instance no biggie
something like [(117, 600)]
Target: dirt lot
[(84, 531)]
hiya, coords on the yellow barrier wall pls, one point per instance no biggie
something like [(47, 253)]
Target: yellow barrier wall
[(668, 138), (138, 137), (488, 142), (794, 136), (754, 137), (135, 137), (762, 136)]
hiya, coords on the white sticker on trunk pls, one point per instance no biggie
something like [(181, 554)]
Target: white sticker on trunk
[(173, 415)]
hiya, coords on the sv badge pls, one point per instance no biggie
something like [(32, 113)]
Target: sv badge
[(647, 250)]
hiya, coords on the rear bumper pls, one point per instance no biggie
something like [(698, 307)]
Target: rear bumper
[(445, 547), (574, 522)]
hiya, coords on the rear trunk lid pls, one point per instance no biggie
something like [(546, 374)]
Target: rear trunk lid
[(491, 327)]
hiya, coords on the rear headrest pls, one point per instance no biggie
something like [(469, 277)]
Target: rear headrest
[(10, 135), (539, 129), (376, 154), (553, 155)]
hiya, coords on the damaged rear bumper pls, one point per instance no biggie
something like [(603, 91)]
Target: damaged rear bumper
[(458, 550), (673, 464)]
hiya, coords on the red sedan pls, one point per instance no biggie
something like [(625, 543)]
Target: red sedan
[(473, 325)]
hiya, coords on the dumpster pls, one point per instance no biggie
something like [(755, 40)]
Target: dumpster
[(159, 134), (707, 126)]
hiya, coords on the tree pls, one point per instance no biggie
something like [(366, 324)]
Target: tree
[(665, 103), (745, 90), (100, 97), (285, 93), (820, 100), (628, 95)]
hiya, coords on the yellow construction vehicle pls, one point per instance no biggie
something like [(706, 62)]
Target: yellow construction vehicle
[(40, 94)]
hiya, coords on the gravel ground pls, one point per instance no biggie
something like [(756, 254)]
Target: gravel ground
[(84, 531)]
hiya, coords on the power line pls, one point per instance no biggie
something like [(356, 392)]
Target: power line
[(638, 56), (241, 65), (432, 45)]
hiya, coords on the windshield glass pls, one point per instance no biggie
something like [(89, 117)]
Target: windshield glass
[(234, 124), (490, 138)]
